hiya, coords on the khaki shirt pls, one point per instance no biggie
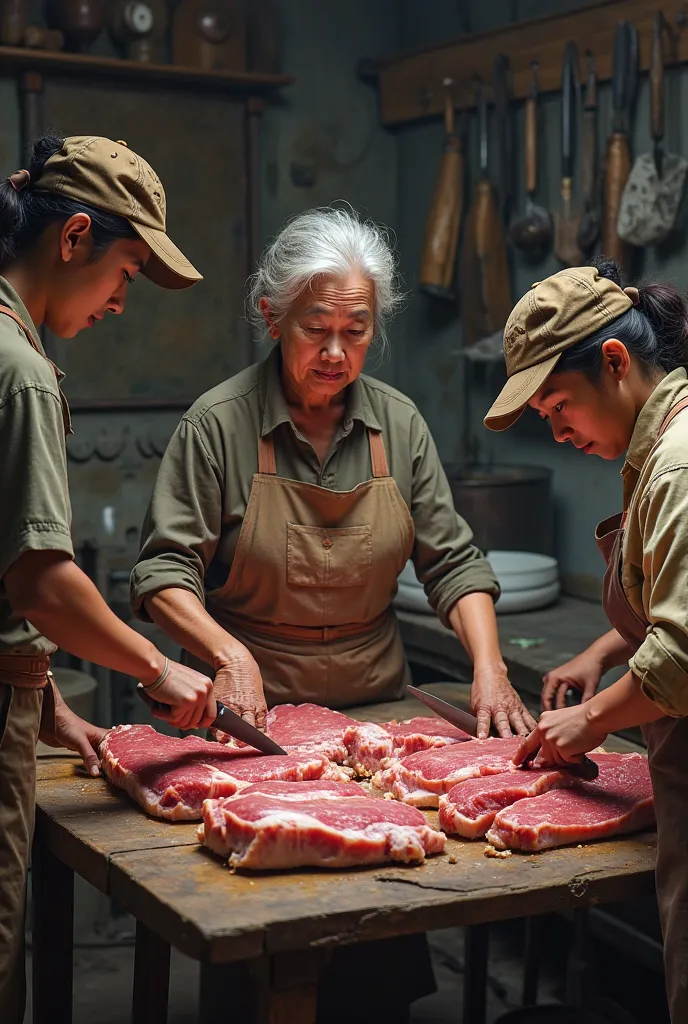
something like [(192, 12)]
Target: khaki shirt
[(654, 571), (202, 489), (35, 513)]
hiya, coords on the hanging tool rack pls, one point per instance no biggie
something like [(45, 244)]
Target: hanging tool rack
[(410, 85)]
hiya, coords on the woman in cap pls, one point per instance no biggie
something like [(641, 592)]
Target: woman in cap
[(291, 496), (606, 366), (75, 230)]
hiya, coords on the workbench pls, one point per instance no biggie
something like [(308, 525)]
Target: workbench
[(266, 936)]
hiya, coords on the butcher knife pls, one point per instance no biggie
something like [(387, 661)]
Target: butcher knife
[(449, 712), (586, 768), (227, 721)]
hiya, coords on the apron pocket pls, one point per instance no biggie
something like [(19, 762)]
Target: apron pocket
[(318, 557)]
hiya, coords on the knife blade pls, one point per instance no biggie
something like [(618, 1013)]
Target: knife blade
[(227, 721), (449, 712)]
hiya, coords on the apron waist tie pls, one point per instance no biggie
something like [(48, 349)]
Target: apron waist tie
[(307, 634), (24, 670)]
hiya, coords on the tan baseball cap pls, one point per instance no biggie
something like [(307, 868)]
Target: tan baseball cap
[(554, 315), (111, 177)]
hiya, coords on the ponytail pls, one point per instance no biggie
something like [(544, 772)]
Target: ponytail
[(26, 213), (655, 331)]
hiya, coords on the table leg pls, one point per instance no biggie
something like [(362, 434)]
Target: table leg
[(227, 994), (151, 977), (53, 937), (475, 978), (280, 989), (531, 960)]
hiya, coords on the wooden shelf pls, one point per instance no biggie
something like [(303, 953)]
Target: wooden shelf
[(68, 65), (411, 85)]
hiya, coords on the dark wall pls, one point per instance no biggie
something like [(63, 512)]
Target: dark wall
[(586, 488)]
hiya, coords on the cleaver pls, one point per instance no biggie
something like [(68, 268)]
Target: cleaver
[(227, 721)]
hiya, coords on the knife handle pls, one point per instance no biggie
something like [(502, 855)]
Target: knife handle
[(531, 134), (657, 79)]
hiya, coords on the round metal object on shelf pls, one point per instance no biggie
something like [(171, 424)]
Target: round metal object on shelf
[(508, 508)]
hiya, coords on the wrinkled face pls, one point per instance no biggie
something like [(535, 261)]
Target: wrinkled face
[(596, 417), (82, 291), (326, 334)]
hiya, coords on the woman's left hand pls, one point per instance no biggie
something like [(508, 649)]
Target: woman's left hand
[(493, 698), (76, 734), (563, 736)]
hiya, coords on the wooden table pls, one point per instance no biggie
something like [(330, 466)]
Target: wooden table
[(270, 934)]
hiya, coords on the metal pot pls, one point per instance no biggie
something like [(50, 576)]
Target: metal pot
[(509, 508)]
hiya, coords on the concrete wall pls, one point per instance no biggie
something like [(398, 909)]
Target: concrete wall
[(586, 489)]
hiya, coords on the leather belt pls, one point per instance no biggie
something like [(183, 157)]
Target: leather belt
[(304, 634), (24, 670)]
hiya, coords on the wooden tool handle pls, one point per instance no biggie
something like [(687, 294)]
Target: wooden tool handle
[(531, 145), (438, 260), (448, 107), (617, 169), (491, 252), (657, 79)]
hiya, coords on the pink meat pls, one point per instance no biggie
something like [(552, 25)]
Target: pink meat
[(330, 826), (421, 778), (369, 745), (617, 802), (171, 777), (308, 727), (469, 808)]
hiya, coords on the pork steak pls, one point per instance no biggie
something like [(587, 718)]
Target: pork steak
[(618, 801), (420, 779), (317, 824), (310, 728), (369, 745), (171, 777), (470, 807)]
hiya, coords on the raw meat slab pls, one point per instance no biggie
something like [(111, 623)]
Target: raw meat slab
[(171, 777), (470, 807), (421, 778), (317, 824), (369, 745), (310, 728), (617, 802)]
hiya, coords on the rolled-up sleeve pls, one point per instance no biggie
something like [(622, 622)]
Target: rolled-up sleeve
[(183, 522), (35, 513), (446, 562), (661, 661)]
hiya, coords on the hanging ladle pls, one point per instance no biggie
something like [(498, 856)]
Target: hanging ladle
[(533, 230)]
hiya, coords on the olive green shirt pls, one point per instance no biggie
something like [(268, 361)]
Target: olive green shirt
[(654, 572), (35, 513), (202, 489)]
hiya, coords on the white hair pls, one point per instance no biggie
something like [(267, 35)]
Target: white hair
[(326, 241)]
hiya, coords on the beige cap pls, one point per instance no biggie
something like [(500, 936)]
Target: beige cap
[(111, 177), (554, 315)]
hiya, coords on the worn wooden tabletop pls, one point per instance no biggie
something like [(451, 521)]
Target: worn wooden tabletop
[(157, 871)]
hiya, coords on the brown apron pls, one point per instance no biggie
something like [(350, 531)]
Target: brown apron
[(27, 710), (312, 581), (667, 743)]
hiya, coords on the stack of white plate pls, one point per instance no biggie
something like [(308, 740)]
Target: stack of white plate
[(528, 581)]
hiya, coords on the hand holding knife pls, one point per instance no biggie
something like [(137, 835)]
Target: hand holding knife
[(585, 768), (227, 721)]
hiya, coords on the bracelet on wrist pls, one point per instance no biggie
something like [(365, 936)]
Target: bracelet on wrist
[(161, 678)]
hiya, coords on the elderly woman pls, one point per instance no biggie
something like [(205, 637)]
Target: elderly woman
[(292, 495)]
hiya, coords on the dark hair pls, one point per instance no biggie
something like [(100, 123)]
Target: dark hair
[(655, 331), (25, 215)]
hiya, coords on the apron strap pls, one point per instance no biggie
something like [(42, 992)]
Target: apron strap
[(266, 456), (674, 411), (18, 320), (378, 455)]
